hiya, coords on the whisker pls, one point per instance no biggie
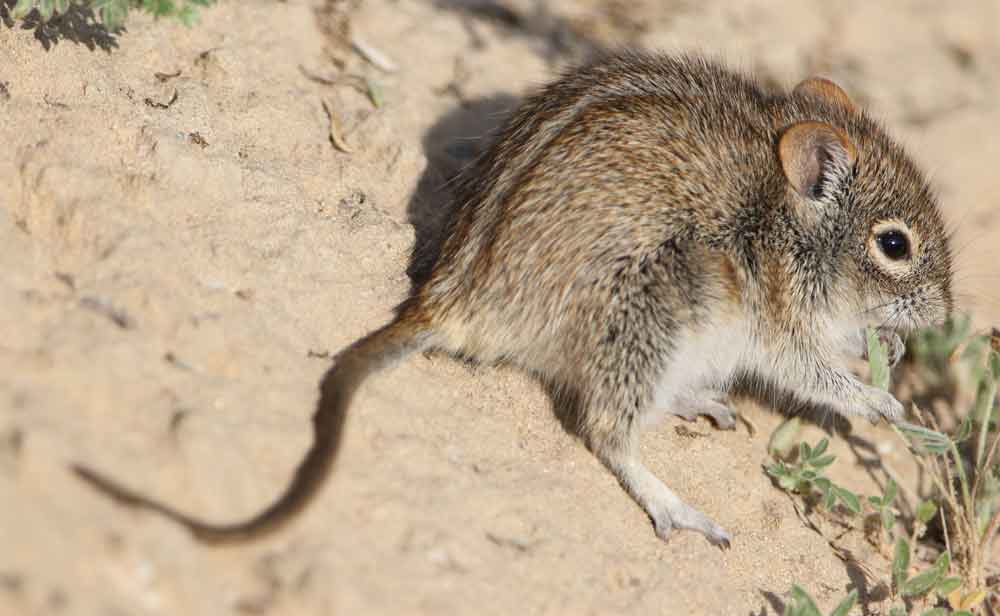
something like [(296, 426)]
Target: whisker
[(891, 316), (874, 308)]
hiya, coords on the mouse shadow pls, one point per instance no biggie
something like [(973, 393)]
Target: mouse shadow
[(555, 36), (451, 145), (78, 24)]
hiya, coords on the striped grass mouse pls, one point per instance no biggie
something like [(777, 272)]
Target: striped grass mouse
[(643, 233)]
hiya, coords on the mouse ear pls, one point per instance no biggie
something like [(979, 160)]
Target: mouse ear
[(824, 89), (815, 157)]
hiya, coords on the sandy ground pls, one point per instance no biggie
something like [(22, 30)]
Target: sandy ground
[(181, 246)]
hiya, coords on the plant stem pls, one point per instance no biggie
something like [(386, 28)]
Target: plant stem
[(966, 495), (986, 402), (944, 527), (934, 473), (983, 469), (993, 450), (991, 529)]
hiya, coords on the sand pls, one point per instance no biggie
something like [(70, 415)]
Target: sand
[(182, 248)]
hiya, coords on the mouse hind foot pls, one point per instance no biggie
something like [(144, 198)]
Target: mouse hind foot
[(704, 403), (665, 509)]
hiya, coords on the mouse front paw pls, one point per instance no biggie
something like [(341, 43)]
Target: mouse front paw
[(879, 403)]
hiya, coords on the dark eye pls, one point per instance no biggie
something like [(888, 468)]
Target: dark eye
[(894, 244)]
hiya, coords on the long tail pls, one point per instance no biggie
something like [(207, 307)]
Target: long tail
[(378, 350)]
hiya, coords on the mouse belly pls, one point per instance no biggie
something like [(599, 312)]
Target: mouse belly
[(699, 371)]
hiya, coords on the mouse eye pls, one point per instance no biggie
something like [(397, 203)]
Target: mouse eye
[(894, 244)]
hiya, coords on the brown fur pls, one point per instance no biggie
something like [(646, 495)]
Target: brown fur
[(643, 232)]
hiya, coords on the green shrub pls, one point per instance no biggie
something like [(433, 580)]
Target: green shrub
[(112, 13), (961, 466)]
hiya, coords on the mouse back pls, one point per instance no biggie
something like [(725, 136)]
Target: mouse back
[(792, 205)]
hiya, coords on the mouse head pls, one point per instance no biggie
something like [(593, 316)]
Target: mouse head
[(868, 214)]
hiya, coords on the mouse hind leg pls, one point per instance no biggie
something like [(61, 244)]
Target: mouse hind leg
[(617, 447)]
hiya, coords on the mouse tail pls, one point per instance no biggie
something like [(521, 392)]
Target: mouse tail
[(380, 349)]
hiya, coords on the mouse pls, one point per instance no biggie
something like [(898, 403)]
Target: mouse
[(644, 232)]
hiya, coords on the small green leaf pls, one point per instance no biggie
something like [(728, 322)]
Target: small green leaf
[(994, 362), (964, 430), (845, 606), (784, 436), (21, 9), (900, 563), (374, 92), (113, 17), (823, 462), (829, 499), (805, 452), (947, 585), (112, 12), (802, 603), (943, 562), (890, 492), (924, 440), (888, 519), (45, 8), (920, 583), (962, 613), (937, 611), (188, 16), (923, 582), (849, 499), (878, 361), (986, 395), (876, 501), (159, 8), (926, 511), (820, 447), (897, 611)]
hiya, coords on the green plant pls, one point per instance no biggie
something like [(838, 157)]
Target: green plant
[(801, 604), (935, 348), (805, 476), (883, 507), (971, 516), (112, 13), (931, 579), (785, 437), (960, 465)]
